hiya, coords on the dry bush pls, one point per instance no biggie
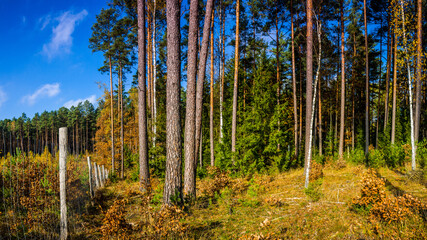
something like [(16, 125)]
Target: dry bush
[(239, 186), (340, 163), (220, 180), (316, 171), (373, 190), (384, 208), (114, 225), (168, 222)]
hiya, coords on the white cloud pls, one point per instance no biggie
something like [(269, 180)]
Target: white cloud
[(3, 96), (61, 40), (69, 104), (47, 90), (45, 20)]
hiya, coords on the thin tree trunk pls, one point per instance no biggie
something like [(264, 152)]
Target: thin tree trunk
[(122, 167), (154, 78), (222, 53), (211, 126), (387, 78), (313, 103), (342, 114), (418, 80), (366, 83), (294, 85), (320, 120), (411, 109), (173, 183), (277, 68), (111, 115), (190, 176), (236, 78), (190, 114), (202, 69), (144, 173), (352, 92), (309, 90), (393, 113)]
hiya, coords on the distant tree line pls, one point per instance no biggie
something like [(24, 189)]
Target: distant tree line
[(40, 133)]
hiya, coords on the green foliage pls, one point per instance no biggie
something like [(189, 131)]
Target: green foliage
[(422, 154), (313, 190)]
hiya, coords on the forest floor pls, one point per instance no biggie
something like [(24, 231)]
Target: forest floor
[(260, 206)]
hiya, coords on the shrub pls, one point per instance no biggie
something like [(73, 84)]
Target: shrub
[(373, 190), (313, 190), (114, 223), (167, 222), (316, 171), (220, 180), (357, 156)]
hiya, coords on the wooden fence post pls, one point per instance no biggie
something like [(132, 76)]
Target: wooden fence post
[(90, 177), (100, 176), (103, 173), (96, 175), (62, 180)]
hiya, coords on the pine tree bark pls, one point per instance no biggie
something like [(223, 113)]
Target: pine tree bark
[(342, 114), (277, 67), (309, 89), (320, 120), (222, 53), (172, 193), (418, 80), (122, 165), (154, 78), (202, 70), (313, 105), (411, 109), (190, 114), (393, 113), (294, 84), (144, 173), (387, 78), (221, 71), (211, 126), (366, 82), (236, 78), (111, 115), (190, 176)]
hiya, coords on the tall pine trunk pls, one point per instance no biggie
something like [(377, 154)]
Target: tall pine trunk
[(236, 78), (122, 166), (294, 84), (111, 115), (173, 184), (309, 90), (411, 109), (144, 173), (393, 113), (342, 114), (190, 114), (366, 82), (190, 180), (418, 80), (222, 53), (154, 78), (387, 77), (211, 126)]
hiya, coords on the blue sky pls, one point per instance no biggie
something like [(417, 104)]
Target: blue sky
[(45, 61)]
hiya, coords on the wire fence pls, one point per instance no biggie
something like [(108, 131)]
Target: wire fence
[(30, 199)]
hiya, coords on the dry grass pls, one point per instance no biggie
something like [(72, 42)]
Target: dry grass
[(276, 207)]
